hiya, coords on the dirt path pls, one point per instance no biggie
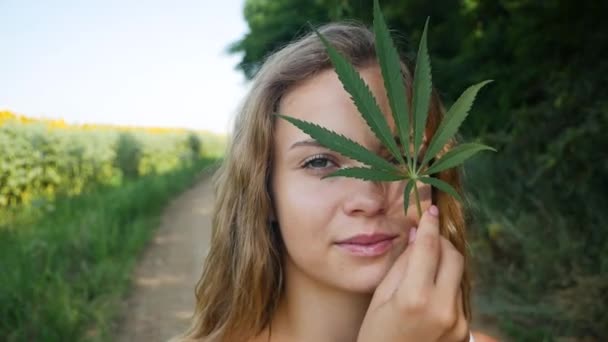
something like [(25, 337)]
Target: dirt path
[(162, 297)]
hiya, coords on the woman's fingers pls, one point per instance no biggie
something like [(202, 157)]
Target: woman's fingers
[(422, 291), (420, 275), (449, 273), (432, 279), (460, 330)]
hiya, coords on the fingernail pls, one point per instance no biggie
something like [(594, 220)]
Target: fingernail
[(412, 235), (434, 211)]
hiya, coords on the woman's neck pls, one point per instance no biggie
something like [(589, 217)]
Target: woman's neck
[(310, 311)]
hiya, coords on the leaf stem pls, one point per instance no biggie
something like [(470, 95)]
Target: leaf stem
[(417, 198)]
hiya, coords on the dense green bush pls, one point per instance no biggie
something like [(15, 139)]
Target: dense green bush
[(38, 161), (128, 155), (195, 144), (540, 260)]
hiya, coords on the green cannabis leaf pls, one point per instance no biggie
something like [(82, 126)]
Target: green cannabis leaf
[(409, 133)]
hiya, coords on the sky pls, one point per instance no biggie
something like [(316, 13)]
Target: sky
[(127, 62)]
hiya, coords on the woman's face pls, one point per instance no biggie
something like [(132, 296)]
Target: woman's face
[(314, 215)]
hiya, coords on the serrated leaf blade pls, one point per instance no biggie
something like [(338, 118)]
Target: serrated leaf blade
[(362, 97), (341, 144), (390, 65), (456, 156), (406, 195), (422, 90), (441, 185), (366, 174), (452, 121)]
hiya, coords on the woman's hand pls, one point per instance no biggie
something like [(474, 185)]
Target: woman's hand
[(420, 297)]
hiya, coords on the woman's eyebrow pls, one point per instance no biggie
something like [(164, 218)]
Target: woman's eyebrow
[(307, 142)]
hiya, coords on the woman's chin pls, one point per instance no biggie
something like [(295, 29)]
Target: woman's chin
[(364, 280)]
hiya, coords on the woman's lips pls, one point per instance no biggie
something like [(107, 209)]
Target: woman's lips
[(369, 249)]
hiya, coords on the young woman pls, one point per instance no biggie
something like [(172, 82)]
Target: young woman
[(295, 257)]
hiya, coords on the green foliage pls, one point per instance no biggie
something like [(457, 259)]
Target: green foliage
[(422, 91), (371, 113), (163, 153), (64, 275), (275, 24), (367, 174), (389, 61), (454, 157)]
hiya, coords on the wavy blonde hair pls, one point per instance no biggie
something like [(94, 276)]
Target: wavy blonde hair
[(242, 279)]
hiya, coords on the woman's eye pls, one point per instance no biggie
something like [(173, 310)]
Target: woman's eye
[(317, 163)]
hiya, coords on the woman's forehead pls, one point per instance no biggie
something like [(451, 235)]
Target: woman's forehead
[(325, 89)]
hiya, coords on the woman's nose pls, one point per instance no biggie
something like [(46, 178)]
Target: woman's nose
[(366, 198)]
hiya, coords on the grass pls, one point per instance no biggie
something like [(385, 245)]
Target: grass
[(61, 278), (541, 265)]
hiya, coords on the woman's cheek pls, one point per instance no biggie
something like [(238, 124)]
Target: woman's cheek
[(310, 191), (307, 210)]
